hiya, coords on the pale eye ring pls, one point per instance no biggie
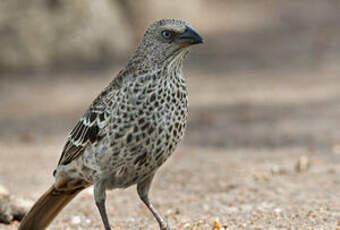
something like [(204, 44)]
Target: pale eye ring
[(167, 34)]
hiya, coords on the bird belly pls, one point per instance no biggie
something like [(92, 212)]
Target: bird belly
[(139, 144)]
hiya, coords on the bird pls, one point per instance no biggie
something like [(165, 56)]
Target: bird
[(130, 129)]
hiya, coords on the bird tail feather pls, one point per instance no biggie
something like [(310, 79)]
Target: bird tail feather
[(46, 209)]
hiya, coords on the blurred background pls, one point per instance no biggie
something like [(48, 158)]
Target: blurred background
[(264, 84), (266, 76)]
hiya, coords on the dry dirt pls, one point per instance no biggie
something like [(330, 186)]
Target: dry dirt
[(262, 148), (237, 164)]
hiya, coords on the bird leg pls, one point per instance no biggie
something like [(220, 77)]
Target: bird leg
[(143, 191), (102, 211), (100, 197)]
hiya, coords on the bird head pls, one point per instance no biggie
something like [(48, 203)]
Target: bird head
[(167, 39)]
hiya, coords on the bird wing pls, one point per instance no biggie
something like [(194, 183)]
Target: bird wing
[(88, 130)]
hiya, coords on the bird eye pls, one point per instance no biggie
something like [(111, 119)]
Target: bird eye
[(167, 34)]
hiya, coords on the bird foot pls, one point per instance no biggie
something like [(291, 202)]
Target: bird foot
[(164, 226)]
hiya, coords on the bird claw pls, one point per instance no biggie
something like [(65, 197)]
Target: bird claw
[(164, 226)]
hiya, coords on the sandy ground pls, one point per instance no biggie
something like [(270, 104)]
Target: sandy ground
[(237, 164), (264, 101)]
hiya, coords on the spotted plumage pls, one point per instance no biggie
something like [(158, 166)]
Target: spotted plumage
[(131, 128)]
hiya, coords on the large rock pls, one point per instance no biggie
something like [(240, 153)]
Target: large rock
[(45, 34), (5, 212), (12, 208)]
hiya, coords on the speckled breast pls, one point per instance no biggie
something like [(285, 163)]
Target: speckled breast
[(146, 126)]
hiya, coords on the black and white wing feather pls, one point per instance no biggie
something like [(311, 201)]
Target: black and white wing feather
[(87, 131), (90, 128)]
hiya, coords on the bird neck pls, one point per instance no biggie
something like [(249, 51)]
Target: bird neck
[(144, 60)]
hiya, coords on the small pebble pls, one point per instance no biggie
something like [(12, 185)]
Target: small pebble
[(277, 210), (217, 225), (278, 170), (3, 191), (302, 164), (76, 220)]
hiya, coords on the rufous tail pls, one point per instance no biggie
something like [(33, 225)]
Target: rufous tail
[(46, 209)]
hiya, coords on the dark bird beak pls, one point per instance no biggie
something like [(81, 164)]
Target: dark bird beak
[(189, 37)]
